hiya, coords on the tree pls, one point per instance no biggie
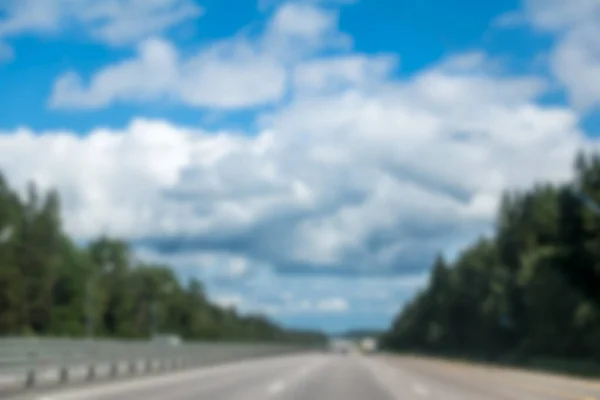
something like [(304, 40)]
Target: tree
[(50, 286), (529, 291)]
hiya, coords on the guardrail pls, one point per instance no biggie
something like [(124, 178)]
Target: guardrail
[(28, 363)]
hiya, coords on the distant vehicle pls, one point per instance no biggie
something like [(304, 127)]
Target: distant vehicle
[(341, 346), (368, 345)]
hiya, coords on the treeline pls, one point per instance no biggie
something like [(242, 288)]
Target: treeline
[(50, 286), (532, 291)]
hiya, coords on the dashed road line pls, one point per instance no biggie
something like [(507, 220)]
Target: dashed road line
[(420, 390), (277, 387)]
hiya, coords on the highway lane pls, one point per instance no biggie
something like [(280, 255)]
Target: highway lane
[(302, 377), (337, 377)]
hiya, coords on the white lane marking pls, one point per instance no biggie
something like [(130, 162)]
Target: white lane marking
[(304, 372), (384, 376), (277, 387), (420, 390), (293, 379)]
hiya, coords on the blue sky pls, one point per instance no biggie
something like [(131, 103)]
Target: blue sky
[(306, 159)]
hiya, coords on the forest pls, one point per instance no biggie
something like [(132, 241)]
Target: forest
[(50, 286), (528, 292)]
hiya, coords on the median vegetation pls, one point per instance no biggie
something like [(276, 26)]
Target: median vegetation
[(528, 295), (50, 286)]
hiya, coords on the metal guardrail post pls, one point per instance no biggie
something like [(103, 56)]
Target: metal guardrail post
[(64, 374), (133, 367), (91, 368), (30, 379), (91, 372), (114, 369), (114, 361), (163, 359)]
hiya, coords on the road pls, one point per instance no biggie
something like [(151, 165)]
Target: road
[(337, 377)]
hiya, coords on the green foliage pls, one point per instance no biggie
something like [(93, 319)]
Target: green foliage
[(528, 293), (50, 286)]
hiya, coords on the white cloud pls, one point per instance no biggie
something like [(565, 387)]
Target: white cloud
[(336, 305), (296, 30), (129, 21), (301, 21), (231, 77), (561, 14), (373, 176), (575, 59), (337, 73), (576, 63), (229, 301), (510, 20), (115, 22), (217, 77), (149, 76), (239, 267), (233, 73), (264, 5), (107, 179)]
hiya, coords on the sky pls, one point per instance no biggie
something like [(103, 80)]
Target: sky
[(307, 159)]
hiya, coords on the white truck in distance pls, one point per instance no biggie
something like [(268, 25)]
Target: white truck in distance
[(368, 345)]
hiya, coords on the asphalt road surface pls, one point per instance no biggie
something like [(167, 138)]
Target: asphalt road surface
[(337, 377)]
